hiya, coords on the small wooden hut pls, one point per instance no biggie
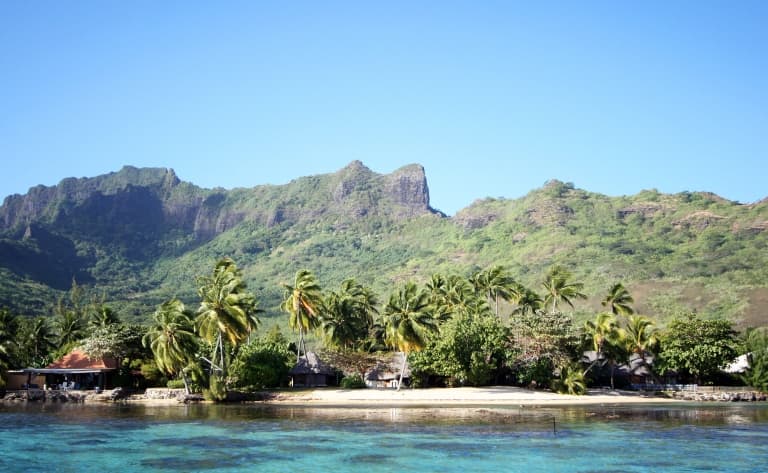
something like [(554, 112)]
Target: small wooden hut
[(311, 371)]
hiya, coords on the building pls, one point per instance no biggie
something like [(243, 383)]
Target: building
[(310, 371), (73, 371)]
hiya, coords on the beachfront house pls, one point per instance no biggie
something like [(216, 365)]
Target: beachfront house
[(75, 370), (311, 371)]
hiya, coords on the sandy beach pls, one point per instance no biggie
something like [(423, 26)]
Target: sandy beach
[(445, 397)]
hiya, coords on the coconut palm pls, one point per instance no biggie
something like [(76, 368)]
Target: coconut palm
[(226, 312), (8, 328), (600, 331), (36, 340), (640, 337), (103, 316), (303, 301), (618, 300), (172, 339), (70, 327), (408, 321), (496, 284), (348, 315), (528, 303), (560, 288)]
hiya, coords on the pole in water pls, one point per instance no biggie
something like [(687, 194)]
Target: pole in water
[(554, 425)]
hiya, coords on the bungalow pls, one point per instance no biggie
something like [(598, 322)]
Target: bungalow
[(310, 371), (386, 373), (74, 371)]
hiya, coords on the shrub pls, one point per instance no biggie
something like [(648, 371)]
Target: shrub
[(353, 382), (175, 384)]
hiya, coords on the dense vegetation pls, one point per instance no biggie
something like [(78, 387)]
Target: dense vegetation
[(450, 328), (131, 246)]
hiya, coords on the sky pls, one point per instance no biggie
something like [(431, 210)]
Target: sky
[(492, 98)]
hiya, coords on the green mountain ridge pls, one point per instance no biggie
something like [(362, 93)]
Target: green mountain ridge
[(139, 236)]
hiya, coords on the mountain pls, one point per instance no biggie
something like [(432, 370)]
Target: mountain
[(139, 236)]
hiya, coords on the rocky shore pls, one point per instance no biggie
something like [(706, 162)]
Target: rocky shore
[(721, 396)]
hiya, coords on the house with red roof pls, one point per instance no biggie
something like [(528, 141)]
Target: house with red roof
[(75, 370)]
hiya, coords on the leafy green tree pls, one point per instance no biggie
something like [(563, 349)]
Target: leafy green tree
[(263, 363), (226, 316), (302, 301), (618, 300), (408, 321), (697, 348), (757, 355), (122, 342), (172, 339), (541, 342), (559, 288), (469, 350)]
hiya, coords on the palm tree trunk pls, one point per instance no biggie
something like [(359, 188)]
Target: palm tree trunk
[(221, 353), (301, 342), (402, 371), (187, 391)]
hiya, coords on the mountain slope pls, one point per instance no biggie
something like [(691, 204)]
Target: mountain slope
[(142, 235)]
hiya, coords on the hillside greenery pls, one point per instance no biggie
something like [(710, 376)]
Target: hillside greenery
[(139, 237)]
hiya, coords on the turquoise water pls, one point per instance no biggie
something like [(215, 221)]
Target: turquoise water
[(77, 438)]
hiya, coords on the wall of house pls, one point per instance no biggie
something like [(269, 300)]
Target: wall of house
[(17, 381)]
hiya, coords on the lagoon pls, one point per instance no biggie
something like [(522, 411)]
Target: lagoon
[(238, 438)]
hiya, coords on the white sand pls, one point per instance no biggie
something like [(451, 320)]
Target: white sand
[(436, 397)]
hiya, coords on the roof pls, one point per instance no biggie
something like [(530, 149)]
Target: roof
[(78, 360), (389, 369), (310, 363)]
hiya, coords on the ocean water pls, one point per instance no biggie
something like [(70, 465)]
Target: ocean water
[(127, 438)]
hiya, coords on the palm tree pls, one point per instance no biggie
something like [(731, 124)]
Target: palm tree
[(302, 302), (8, 329), (408, 321), (36, 340), (348, 315), (618, 300), (528, 302), (496, 284), (453, 295), (226, 312), (172, 339), (559, 288), (640, 337), (600, 332), (103, 316), (70, 327)]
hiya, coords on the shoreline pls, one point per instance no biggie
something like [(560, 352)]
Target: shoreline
[(429, 398), (458, 397)]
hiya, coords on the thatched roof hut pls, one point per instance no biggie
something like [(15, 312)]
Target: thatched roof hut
[(386, 373), (311, 371)]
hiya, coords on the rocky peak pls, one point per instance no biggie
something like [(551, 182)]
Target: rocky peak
[(408, 186)]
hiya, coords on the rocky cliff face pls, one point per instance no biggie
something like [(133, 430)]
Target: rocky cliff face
[(153, 201)]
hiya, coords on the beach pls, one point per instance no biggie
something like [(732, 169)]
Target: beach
[(466, 396)]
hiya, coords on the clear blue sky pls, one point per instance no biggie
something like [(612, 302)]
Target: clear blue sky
[(493, 98)]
